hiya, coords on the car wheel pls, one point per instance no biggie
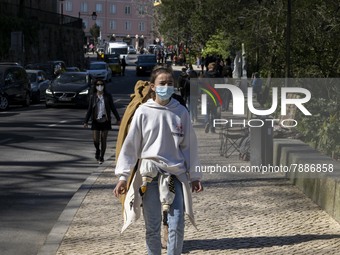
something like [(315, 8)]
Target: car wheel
[(27, 101), (4, 103)]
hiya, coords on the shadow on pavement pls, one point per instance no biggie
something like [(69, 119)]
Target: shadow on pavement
[(250, 242)]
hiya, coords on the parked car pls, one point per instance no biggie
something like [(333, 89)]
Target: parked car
[(69, 88), (47, 68), (58, 67), (39, 84), (100, 70), (72, 69), (114, 64), (152, 48), (14, 86), (132, 50), (145, 63)]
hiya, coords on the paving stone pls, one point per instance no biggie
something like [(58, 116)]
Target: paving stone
[(246, 214)]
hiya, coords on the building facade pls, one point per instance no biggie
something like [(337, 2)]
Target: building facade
[(33, 31), (121, 20)]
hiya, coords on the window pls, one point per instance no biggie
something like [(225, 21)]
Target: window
[(141, 26), (83, 7), (113, 24), (68, 6), (127, 25), (85, 23), (99, 22), (142, 10), (99, 8), (113, 9), (127, 10)]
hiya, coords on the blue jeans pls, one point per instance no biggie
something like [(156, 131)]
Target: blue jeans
[(152, 211)]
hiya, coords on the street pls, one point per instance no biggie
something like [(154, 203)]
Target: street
[(46, 155)]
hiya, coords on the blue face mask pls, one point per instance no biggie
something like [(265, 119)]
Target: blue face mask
[(164, 92)]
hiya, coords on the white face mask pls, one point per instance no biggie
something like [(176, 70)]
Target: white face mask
[(100, 87)]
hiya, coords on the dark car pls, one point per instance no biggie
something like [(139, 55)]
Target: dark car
[(69, 88), (132, 50), (39, 84), (72, 69), (145, 63), (47, 68), (58, 66), (14, 86)]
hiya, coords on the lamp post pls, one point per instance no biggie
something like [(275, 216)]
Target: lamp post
[(288, 32), (62, 11)]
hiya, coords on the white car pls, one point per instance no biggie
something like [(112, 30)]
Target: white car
[(99, 70)]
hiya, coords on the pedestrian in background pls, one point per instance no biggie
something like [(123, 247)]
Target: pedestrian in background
[(100, 107), (161, 120), (123, 65), (211, 107), (202, 65), (256, 83)]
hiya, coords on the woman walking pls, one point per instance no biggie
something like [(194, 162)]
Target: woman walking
[(161, 137), (100, 107)]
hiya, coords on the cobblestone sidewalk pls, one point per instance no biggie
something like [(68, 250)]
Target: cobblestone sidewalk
[(236, 214)]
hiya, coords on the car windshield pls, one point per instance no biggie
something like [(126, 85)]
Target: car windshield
[(32, 77), (147, 59), (72, 78), (97, 66)]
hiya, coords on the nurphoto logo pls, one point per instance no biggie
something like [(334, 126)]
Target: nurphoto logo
[(240, 101)]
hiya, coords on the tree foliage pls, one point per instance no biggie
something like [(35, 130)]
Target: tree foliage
[(214, 27), (95, 31), (217, 44)]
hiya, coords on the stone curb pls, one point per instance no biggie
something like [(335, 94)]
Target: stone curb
[(57, 233)]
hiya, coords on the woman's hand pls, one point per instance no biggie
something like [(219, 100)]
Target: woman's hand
[(120, 188), (196, 186), (85, 125)]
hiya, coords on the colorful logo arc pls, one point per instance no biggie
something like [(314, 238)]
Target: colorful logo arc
[(213, 94)]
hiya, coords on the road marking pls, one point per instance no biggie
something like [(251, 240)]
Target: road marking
[(60, 122)]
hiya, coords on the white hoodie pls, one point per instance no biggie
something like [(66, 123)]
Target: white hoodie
[(163, 134)]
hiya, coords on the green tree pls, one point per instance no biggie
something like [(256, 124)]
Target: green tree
[(95, 32), (218, 44)]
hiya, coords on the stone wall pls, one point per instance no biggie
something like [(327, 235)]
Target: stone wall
[(317, 175), (46, 36)]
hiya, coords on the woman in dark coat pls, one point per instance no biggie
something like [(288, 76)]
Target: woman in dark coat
[(100, 107)]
